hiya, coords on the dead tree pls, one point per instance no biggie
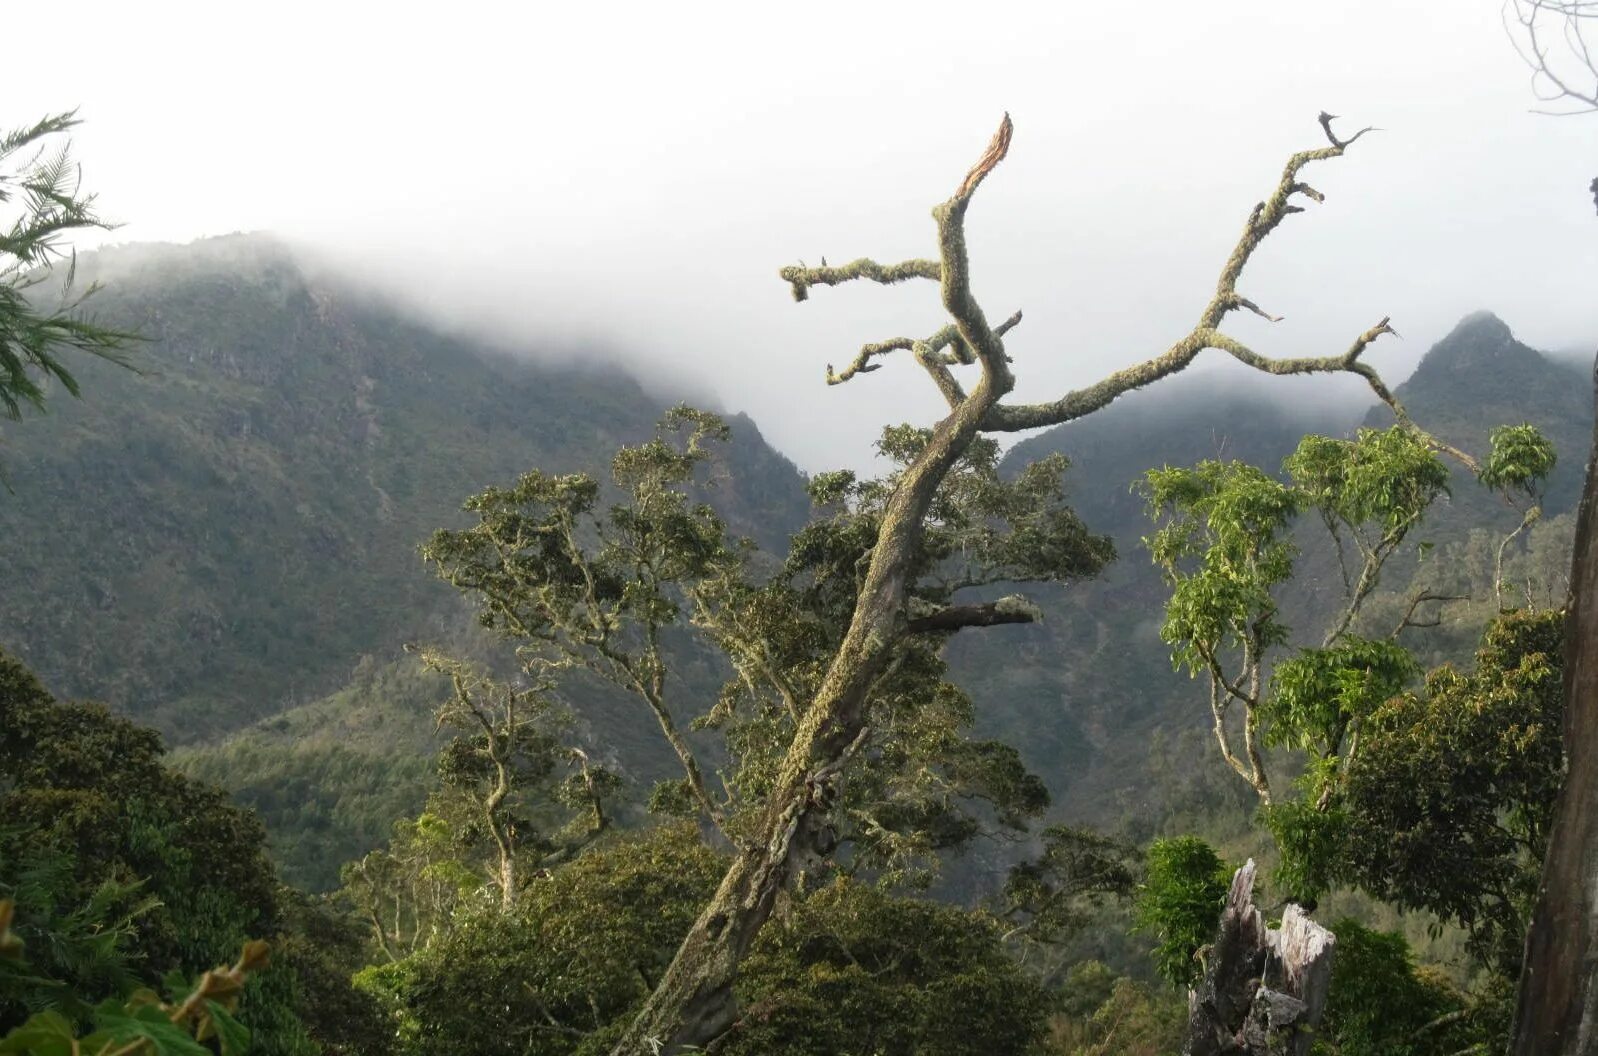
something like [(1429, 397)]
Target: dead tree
[(967, 361), (1553, 39), (1263, 989)]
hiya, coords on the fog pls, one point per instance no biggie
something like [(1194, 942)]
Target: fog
[(630, 177)]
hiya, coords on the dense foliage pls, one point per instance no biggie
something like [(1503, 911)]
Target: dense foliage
[(521, 903), (121, 875)]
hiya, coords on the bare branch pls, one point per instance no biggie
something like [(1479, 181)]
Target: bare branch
[(1326, 125), (998, 147), (1554, 80), (1420, 598), (958, 301), (1244, 302), (862, 363), (1011, 609), (938, 368), (802, 278), (1262, 220)]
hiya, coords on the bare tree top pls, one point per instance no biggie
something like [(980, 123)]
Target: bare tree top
[(1552, 36)]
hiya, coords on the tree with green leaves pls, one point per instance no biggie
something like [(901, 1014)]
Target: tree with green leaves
[(1382, 1004), (41, 314), (1178, 903), (1435, 800), (1224, 542), (694, 1002), (621, 585), (514, 774), (1517, 467), (408, 892), (1448, 806), (850, 967), (125, 878), (578, 588)]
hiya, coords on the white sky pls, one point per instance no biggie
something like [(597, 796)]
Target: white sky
[(632, 176)]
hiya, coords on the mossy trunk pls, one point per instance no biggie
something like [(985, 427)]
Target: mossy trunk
[(693, 1004)]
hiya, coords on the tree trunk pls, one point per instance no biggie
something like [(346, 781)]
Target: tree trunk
[(1557, 1013), (693, 1004), (1263, 990)]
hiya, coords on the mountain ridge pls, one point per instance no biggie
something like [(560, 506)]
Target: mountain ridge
[(228, 532)]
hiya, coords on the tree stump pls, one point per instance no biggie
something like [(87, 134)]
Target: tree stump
[(1263, 989)]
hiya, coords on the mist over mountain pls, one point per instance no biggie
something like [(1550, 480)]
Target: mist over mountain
[(228, 531), (216, 544)]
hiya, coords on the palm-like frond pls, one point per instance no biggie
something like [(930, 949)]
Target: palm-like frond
[(41, 314)]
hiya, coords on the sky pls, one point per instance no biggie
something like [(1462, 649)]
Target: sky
[(615, 180)]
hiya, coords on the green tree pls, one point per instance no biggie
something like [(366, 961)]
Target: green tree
[(1448, 807), (602, 592), (1224, 542), (510, 769), (856, 969), (408, 892), (579, 588), (1179, 902), (1517, 466), (1103, 1014), (577, 952), (694, 1002), (89, 790), (124, 876), (1381, 1004), (850, 967)]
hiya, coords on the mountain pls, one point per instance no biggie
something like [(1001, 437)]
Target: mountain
[(224, 544), (227, 532), (1479, 377)]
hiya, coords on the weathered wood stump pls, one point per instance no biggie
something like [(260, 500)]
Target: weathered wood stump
[(1263, 989)]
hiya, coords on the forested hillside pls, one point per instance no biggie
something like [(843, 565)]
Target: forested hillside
[(252, 503), (227, 532), (1089, 694)]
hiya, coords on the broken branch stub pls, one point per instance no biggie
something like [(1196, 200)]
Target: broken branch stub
[(1264, 989)]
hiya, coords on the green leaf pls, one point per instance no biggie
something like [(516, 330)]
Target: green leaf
[(233, 1035), (147, 1023), (45, 1034)]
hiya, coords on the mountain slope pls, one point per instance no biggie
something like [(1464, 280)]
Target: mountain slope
[(1089, 695), (227, 533), (1479, 377)]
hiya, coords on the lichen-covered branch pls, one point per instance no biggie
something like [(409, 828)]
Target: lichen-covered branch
[(801, 278), (1262, 220), (1011, 609)]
